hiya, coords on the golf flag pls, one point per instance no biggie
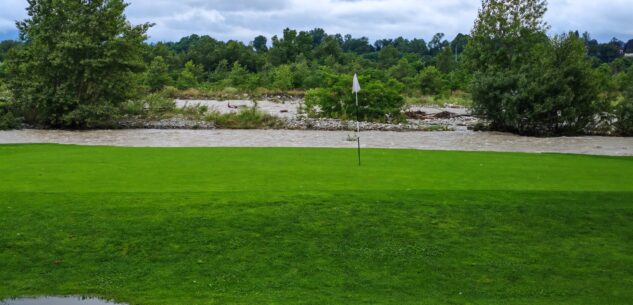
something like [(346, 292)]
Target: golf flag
[(355, 90), (356, 86)]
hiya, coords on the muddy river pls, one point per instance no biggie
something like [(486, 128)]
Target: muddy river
[(458, 140)]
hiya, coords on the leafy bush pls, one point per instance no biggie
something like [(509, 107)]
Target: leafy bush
[(7, 118), (624, 114), (239, 76), (91, 116), (157, 76), (432, 81), (189, 76), (282, 78), (624, 111), (156, 103), (152, 105), (171, 92), (377, 101)]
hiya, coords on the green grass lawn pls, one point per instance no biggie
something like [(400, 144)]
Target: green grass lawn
[(307, 226)]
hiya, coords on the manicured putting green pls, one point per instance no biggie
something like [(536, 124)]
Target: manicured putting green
[(308, 226)]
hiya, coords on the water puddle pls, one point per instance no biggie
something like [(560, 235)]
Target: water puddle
[(57, 301)]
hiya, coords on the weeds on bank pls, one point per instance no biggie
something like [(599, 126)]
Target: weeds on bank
[(229, 93), (246, 118), (456, 98)]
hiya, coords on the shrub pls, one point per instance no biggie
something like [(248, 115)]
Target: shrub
[(92, 116), (157, 104), (157, 76), (153, 104), (7, 118), (282, 78), (190, 94), (189, 76), (431, 81), (624, 111), (624, 114), (247, 118), (378, 102), (170, 92)]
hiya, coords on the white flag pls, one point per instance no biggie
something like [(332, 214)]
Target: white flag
[(356, 86)]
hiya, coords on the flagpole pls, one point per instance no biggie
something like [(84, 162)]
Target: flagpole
[(358, 127)]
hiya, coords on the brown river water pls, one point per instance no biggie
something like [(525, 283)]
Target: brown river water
[(455, 140)]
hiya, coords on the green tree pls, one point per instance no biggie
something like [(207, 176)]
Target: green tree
[(221, 71), (624, 110), (189, 76), (6, 46), (403, 70), (8, 119), (458, 45), (389, 56), (445, 60), (239, 76), (260, 44), (431, 81), (553, 93), (437, 44), (504, 33), (329, 51), (158, 74), (80, 60), (523, 81), (282, 78)]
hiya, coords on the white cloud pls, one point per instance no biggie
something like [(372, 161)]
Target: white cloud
[(244, 19)]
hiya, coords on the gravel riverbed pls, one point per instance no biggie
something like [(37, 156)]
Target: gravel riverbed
[(419, 118)]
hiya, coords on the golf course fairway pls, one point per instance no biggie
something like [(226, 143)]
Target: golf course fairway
[(187, 226)]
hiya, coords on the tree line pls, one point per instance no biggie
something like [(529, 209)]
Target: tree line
[(73, 69)]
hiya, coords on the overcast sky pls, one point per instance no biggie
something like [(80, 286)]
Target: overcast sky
[(245, 19)]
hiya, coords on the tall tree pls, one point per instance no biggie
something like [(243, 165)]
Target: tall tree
[(437, 44), (158, 74), (5, 47), (624, 111), (389, 56), (445, 61), (525, 82), (260, 44), (79, 61), (504, 32), (628, 48)]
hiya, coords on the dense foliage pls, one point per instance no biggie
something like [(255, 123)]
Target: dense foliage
[(624, 111), (524, 81), (8, 120), (377, 101), (80, 61), (520, 79)]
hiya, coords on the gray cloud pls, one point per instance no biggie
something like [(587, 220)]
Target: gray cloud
[(244, 19)]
